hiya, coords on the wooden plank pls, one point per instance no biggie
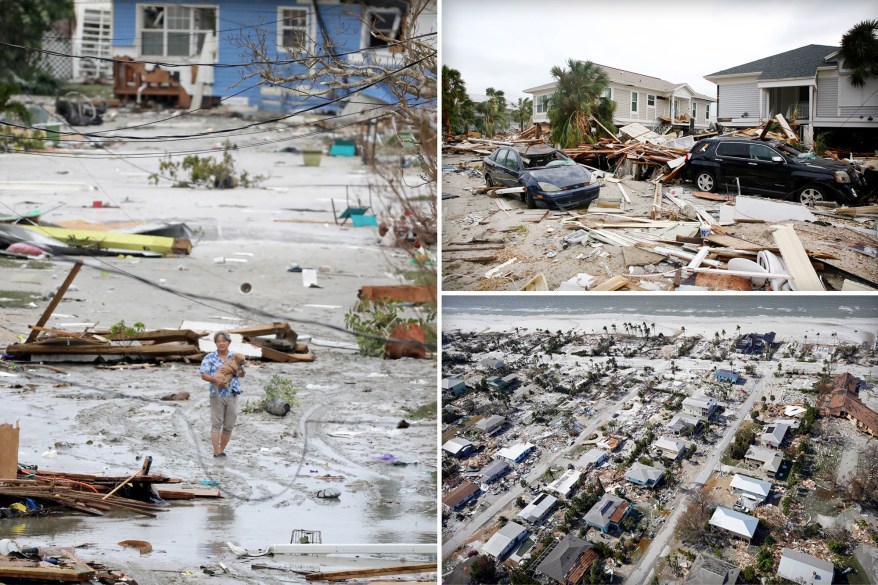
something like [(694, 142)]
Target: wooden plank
[(657, 201), (402, 293), (624, 194), (359, 573), (159, 349), (475, 257), (54, 302), (796, 259), (614, 283), (279, 356), (31, 569), (784, 125), (713, 196), (744, 273), (186, 494), (699, 258), (865, 209)]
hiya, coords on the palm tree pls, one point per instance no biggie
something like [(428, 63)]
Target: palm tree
[(523, 112), (453, 98), (494, 110), (859, 51), (576, 97)]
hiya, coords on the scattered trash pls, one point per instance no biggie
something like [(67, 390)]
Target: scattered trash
[(329, 493)]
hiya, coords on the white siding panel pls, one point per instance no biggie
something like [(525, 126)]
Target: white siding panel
[(735, 99), (827, 96), (622, 97)]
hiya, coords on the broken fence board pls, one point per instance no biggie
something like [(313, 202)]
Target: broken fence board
[(796, 259), (615, 283)]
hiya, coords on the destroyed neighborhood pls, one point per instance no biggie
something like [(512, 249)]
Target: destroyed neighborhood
[(183, 186), (607, 440), (606, 179)]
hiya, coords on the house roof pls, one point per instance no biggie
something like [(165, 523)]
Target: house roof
[(591, 457), (563, 484), (449, 383), (493, 468), (563, 558), (623, 77), (491, 422), (709, 570), (455, 445), (770, 459), (699, 401), (603, 511), (460, 494), (538, 508), (497, 544), (682, 418), (736, 522), (726, 373), (514, 452), (801, 62), (775, 432), (668, 444), (751, 485), (641, 473), (804, 568)]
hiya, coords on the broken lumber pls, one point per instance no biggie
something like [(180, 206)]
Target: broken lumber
[(402, 293), (358, 573), (55, 300), (796, 259), (614, 283)]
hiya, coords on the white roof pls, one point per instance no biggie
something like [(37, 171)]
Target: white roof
[(668, 444), (498, 543), (563, 484), (775, 432), (751, 485), (794, 410), (683, 418), (449, 383), (700, 401), (800, 567), (455, 445), (514, 452), (740, 524), (491, 422), (591, 457), (538, 508)]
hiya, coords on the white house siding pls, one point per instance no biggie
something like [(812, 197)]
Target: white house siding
[(827, 95), (622, 97), (735, 99)]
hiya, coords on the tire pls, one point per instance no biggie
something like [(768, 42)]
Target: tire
[(705, 181), (812, 194), (488, 180), (529, 199)]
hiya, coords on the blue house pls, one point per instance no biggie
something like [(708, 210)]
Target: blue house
[(726, 376), (217, 32)]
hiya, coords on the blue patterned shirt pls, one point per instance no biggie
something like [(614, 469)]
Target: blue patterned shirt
[(210, 365)]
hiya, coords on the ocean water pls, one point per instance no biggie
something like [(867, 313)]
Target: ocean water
[(833, 306)]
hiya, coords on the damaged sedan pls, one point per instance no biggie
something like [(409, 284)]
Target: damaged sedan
[(548, 177)]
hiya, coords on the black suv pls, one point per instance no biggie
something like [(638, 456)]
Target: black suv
[(771, 167)]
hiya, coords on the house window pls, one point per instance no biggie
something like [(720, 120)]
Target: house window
[(381, 24), (175, 31), (633, 102), (542, 104), (608, 93), (650, 101), (694, 110), (707, 112), (293, 28)]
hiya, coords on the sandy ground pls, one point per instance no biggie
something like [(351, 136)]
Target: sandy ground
[(103, 421)]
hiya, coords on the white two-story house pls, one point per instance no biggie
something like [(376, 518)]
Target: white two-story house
[(808, 84), (649, 101)]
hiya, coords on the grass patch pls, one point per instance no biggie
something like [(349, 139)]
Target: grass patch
[(14, 299), (91, 90), (426, 411), (858, 576)]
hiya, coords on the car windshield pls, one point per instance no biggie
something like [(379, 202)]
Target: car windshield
[(552, 159)]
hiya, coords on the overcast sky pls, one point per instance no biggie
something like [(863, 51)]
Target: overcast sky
[(512, 44)]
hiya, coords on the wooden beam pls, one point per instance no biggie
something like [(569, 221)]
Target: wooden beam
[(796, 259), (603, 127), (54, 302), (358, 573), (614, 283)]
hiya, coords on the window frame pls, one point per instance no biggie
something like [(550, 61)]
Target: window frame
[(608, 93), (694, 110), (542, 100), (192, 32), (650, 97), (707, 112), (309, 27), (635, 97), (366, 33)]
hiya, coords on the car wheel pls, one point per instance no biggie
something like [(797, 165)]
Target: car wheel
[(489, 181), (705, 181), (529, 199), (812, 194)]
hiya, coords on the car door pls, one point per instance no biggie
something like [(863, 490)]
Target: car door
[(513, 167), (770, 175), (734, 160)]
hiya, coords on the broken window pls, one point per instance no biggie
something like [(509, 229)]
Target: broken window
[(383, 24), (633, 102), (175, 31), (294, 33)]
